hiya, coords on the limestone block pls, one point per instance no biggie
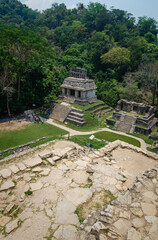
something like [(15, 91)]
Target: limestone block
[(32, 162), (5, 173), (7, 185), (21, 166), (66, 233), (133, 234), (4, 220), (149, 209), (14, 168), (36, 186), (12, 225)]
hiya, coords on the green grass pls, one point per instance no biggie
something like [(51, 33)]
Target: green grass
[(31, 132), (144, 137), (109, 136), (152, 150), (83, 140)]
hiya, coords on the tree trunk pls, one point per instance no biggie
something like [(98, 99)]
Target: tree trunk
[(8, 109), (18, 88)]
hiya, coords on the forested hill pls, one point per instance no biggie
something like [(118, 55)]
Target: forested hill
[(38, 49)]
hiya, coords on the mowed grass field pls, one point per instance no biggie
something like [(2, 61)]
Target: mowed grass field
[(108, 136), (29, 133)]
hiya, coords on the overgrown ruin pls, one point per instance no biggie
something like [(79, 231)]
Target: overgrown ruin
[(133, 117)]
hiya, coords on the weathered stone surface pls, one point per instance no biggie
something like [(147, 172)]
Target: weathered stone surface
[(153, 232), (7, 185), (55, 158), (45, 172), (5, 173), (80, 177), (78, 195), (21, 166), (50, 160), (99, 226), (9, 207), (45, 154), (4, 220), (14, 168), (125, 215), (102, 237), (35, 186), (137, 212), (133, 234), (149, 209), (32, 162), (66, 233), (122, 226), (65, 213), (11, 226), (37, 169), (138, 222)]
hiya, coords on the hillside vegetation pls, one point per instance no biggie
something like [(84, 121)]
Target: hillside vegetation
[(37, 51)]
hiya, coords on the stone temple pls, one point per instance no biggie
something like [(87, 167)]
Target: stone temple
[(133, 117), (78, 88)]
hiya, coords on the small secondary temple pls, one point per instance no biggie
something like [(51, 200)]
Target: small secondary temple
[(133, 117), (78, 88)]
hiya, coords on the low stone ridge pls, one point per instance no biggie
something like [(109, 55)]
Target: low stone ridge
[(45, 195), (133, 216)]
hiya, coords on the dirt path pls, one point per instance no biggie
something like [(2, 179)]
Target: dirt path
[(74, 132)]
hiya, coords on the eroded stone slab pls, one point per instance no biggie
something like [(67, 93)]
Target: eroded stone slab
[(21, 166), (5, 173), (149, 209), (65, 213), (78, 195), (14, 168), (11, 226), (32, 162), (35, 186), (7, 185), (66, 233), (133, 234), (45, 172), (4, 220)]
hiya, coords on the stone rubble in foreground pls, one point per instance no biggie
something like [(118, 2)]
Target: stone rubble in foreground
[(39, 196)]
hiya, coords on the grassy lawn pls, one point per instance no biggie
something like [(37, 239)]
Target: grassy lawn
[(29, 133), (109, 136), (83, 140), (144, 137)]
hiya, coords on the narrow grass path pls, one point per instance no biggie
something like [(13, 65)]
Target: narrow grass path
[(74, 132)]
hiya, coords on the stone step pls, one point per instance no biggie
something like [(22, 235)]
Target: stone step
[(75, 118), (79, 115), (100, 109), (78, 123), (77, 110), (94, 107)]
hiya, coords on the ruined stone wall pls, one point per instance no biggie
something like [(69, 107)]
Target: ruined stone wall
[(133, 215)]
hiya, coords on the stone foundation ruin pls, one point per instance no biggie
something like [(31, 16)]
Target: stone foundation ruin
[(133, 117), (78, 88)]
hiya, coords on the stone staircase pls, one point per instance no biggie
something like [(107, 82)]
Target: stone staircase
[(76, 117), (60, 112), (126, 124)]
